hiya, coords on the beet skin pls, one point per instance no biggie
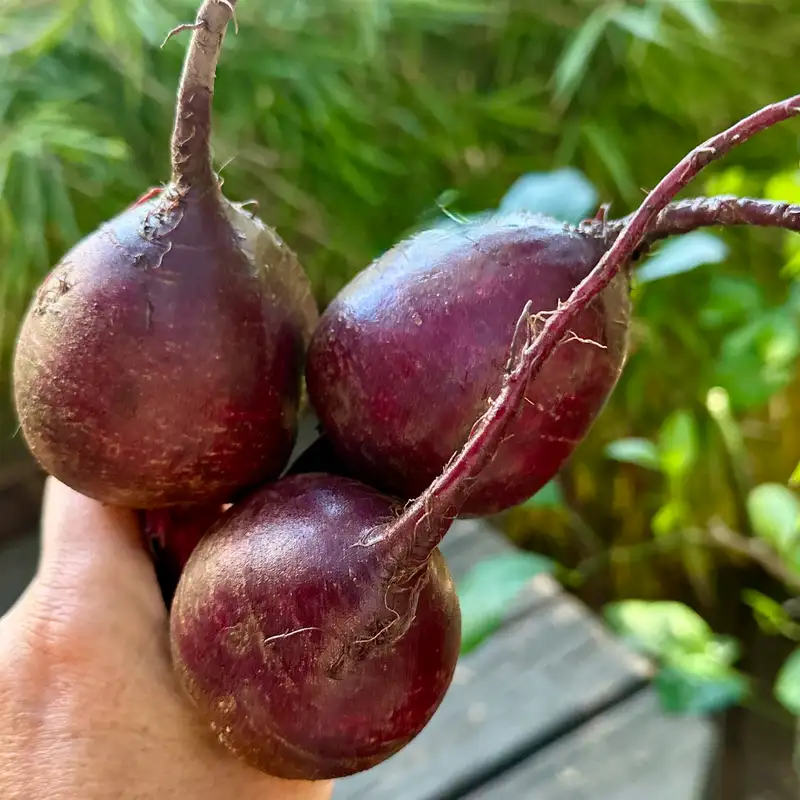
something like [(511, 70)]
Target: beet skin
[(412, 351), (307, 650)]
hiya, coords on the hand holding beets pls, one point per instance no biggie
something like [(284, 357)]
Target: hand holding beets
[(314, 626)]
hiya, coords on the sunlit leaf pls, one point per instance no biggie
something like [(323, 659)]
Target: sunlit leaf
[(682, 691), (683, 254), (565, 194), (549, 496), (641, 452), (678, 443), (487, 593), (575, 59), (787, 684), (774, 513)]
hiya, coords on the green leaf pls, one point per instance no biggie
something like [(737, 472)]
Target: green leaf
[(774, 513), (681, 691), (549, 496), (565, 194), (573, 64), (731, 300), (758, 360), (642, 23), (488, 590), (641, 452), (794, 478), (787, 684), (677, 444), (605, 143), (681, 255), (699, 14), (662, 629)]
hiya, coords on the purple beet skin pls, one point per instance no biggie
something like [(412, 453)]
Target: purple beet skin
[(306, 650), (411, 352)]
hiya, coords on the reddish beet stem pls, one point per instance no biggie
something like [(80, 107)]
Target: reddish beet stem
[(426, 520), (191, 138), (686, 216)]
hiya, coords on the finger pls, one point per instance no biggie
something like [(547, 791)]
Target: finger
[(94, 552)]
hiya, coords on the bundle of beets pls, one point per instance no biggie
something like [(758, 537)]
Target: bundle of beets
[(313, 621)]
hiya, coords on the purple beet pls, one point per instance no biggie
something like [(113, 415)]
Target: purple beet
[(161, 361), (315, 627), (412, 350)]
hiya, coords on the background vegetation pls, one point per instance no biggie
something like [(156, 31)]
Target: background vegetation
[(354, 121)]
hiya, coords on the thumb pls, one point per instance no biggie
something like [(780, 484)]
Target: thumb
[(93, 555)]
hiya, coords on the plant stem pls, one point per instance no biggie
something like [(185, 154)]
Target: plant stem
[(191, 137), (685, 216), (426, 520)]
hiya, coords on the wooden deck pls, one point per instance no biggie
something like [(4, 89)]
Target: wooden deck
[(551, 707)]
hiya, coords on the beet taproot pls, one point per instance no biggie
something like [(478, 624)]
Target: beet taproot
[(160, 363), (412, 349), (315, 627)]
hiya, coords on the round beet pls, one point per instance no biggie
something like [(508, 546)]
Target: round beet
[(161, 361), (286, 620), (171, 535), (411, 352)]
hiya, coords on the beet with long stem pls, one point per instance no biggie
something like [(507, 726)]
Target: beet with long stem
[(161, 361), (316, 628), (410, 352)]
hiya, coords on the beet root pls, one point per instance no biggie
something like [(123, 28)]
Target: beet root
[(283, 638), (161, 361), (410, 353), (171, 535)]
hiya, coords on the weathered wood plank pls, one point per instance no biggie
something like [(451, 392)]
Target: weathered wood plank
[(541, 674), (631, 752)]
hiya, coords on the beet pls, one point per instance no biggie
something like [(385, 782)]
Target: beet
[(171, 535), (161, 361), (315, 627), (412, 350)]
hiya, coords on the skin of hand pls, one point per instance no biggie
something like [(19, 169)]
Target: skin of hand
[(89, 704)]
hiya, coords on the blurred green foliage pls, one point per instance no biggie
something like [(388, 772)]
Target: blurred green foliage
[(352, 122)]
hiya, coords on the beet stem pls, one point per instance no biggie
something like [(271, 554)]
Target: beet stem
[(685, 216), (191, 138), (422, 526)]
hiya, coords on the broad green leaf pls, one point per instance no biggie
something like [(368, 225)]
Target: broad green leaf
[(549, 496), (574, 61), (681, 255), (731, 300), (662, 629), (794, 478), (681, 691), (677, 443), (787, 684), (759, 359), (488, 590), (641, 452), (774, 513), (565, 194)]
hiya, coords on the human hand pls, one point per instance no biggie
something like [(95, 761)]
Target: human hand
[(88, 701)]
